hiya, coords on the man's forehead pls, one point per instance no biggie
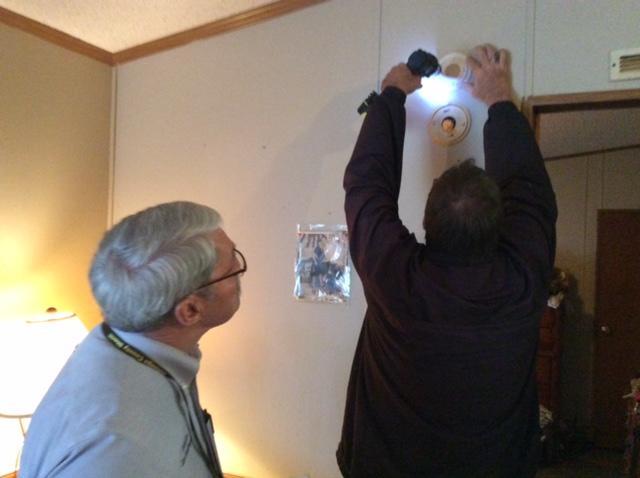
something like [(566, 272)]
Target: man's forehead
[(221, 239)]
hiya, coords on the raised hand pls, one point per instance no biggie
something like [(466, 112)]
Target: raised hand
[(491, 74), (401, 77)]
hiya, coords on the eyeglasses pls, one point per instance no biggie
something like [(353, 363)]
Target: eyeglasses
[(240, 271)]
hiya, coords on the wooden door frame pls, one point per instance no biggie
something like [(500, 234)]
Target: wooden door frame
[(534, 106)]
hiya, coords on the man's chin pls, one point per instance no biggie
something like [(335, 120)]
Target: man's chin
[(235, 309)]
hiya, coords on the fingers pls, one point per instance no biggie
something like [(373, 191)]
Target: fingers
[(402, 68), (480, 54), (492, 54), (503, 58), (401, 77), (485, 55), (473, 63)]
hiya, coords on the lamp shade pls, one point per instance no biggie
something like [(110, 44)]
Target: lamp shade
[(32, 353)]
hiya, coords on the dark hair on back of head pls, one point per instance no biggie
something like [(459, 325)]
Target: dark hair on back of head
[(463, 212)]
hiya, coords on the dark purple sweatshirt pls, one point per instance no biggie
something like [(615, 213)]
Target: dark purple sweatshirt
[(443, 382)]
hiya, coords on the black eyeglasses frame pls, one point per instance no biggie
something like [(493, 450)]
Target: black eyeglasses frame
[(240, 271)]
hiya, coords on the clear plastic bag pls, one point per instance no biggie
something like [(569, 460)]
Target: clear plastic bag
[(322, 271)]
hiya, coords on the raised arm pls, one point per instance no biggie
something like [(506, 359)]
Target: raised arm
[(373, 175), (513, 160)]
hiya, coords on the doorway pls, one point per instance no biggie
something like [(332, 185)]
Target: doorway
[(591, 169)]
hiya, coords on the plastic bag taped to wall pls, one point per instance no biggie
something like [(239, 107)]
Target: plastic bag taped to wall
[(322, 271)]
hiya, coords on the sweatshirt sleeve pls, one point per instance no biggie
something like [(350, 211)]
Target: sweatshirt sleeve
[(377, 237), (513, 159)]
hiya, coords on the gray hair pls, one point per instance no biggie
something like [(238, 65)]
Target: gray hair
[(152, 259)]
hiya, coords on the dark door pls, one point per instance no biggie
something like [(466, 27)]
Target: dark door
[(617, 322)]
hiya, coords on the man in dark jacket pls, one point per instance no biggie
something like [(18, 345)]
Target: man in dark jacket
[(443, 378)]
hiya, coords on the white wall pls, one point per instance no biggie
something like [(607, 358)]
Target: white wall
[(259, 124), (444, 27), (573, 40)]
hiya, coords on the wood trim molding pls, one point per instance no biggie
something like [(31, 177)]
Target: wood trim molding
[(234, 22), (534, 105), (54, 36)]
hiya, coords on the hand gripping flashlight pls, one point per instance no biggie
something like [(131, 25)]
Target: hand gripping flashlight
[(419, 63)]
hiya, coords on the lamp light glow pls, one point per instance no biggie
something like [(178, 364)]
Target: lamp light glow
[(11, 437), (236, 459), (32, 353)]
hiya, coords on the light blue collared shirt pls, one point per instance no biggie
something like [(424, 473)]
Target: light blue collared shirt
[(108, 415), (181, 366)]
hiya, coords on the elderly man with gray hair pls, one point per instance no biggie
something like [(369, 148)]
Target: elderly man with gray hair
[(126, 403)]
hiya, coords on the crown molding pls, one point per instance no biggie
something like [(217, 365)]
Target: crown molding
[(55, 36), (233, 22)]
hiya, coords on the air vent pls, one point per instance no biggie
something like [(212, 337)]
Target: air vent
[(625, 64)]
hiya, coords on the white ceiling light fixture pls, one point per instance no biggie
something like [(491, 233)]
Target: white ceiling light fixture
[(449, 124), (454, 66)]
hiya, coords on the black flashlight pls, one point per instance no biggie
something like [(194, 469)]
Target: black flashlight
[(419, 63)]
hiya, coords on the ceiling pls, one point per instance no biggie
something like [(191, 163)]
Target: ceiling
[(116, 25)]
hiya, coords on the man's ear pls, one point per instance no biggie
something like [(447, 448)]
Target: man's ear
[(189, 310)]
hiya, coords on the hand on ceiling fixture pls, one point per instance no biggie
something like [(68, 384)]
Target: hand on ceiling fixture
[(491, 74)]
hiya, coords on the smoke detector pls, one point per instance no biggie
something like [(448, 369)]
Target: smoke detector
[(449, 125), (625, 64), (454, 66)]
